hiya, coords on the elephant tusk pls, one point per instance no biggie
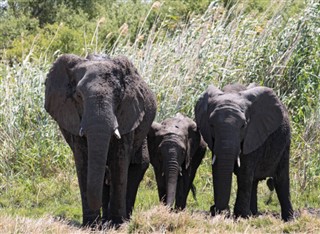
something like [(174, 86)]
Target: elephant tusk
[(238, 161), (107, 182), (117, 133), (81, 132), (180, 171), (213, 159)]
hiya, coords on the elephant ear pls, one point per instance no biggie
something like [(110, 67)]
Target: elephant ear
[(153, 141), (252, 85), (59, 102), (131, 110), (203, 108), (194, 139), (265, 116)]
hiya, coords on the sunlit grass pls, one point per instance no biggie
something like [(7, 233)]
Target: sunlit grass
[(159, 219)]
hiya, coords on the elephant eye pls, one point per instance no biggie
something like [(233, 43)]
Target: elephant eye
[(244, 125), (77, 95)]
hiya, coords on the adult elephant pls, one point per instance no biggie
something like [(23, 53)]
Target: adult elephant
[(248, 132), (104, 110), (176, 149)]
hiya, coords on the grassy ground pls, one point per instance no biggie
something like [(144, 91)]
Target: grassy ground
[(277, 47), (159, 220)]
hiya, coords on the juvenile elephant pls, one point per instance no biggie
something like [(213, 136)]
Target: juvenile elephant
[(176, 149), (248, 132), (104, 110)]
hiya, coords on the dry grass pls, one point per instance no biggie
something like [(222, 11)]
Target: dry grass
[(9, 224), (160, 220), (23, 225)]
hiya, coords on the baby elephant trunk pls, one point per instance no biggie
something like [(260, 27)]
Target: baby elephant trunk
[(171, 173)]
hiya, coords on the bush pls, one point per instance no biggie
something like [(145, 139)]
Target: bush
[(85, 26)]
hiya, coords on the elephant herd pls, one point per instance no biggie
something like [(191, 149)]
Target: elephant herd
[(106, 113)]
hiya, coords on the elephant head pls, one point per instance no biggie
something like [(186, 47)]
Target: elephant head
[(97, 98), (234, 122), (176, 150)]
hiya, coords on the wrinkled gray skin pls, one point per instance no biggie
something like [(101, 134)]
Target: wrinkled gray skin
[(248, 132), (104, 111), (176, 149)]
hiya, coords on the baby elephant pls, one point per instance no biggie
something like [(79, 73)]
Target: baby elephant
[(176, 149)]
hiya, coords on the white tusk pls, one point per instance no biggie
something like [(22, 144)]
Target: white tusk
[(162, 174), (81, 133), (117, 134), (213, 159), (238, 161)]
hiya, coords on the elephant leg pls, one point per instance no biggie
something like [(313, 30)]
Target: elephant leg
[(135, 175), (161, 185), (180, 200), (106, 203), (245, 184), (119, 158), (282, 186), (253, 201), (80, 151), (183, 188), (187, 177)]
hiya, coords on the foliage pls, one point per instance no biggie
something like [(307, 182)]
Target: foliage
[(12, 27), (85, 26)]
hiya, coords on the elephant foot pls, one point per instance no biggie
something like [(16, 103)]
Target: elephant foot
[(215, 211), (242, 214), (256, 214), (114, 222), (91, 223), (91, 219), (105, 218), (288, 216)]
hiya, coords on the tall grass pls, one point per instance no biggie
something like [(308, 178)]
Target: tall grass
[(273, 48), (223, 46), (229, 46), (28, 136)]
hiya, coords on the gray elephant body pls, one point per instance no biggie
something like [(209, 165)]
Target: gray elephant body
[(176, 149), (104, 110), (248, 132)]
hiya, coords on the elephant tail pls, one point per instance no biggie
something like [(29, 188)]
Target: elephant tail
[(194, 191), (270, 183)]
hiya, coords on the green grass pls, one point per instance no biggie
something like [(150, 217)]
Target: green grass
[(276, 45)]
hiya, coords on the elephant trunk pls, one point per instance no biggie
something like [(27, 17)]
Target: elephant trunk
[(171, 171), (98, 145), (98, 124), (226, 149), (222, 180)]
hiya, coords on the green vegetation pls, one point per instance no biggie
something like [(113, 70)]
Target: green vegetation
[(179, 47)]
